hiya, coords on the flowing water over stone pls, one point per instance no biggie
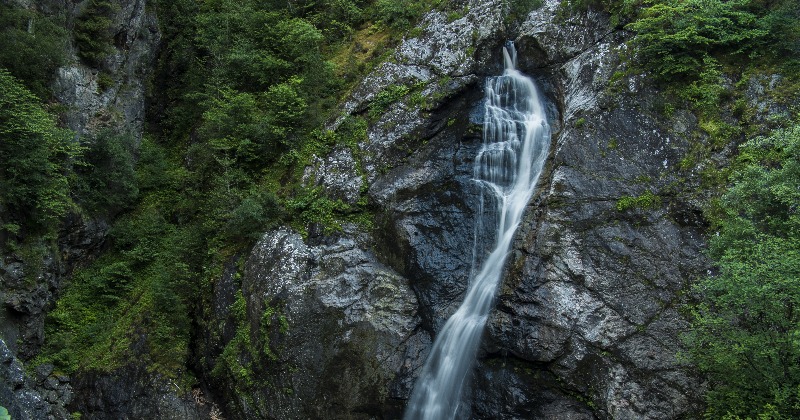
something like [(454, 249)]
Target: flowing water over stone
[(515, 144)]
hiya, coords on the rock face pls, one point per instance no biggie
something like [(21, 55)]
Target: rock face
[(133, 392), (593, 291), (587, 321), (112, 95), (42, 395), (28, 292), (347, 326)]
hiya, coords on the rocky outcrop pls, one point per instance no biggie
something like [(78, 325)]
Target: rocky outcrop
[(29, 292), (113, 94), (32, 277), (135, 392), (42, 395), (588, 320), (594, 289), (340, 326), (110, 96)]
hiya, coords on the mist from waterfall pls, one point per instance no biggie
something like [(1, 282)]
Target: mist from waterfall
[(516, 137)]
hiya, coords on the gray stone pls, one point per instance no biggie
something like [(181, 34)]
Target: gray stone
[(133, 392), (22, 398), (585, 324), (350, 327)]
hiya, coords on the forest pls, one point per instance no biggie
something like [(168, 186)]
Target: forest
[(242, 98)]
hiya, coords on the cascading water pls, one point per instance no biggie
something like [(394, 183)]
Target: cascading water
[(516, 137)]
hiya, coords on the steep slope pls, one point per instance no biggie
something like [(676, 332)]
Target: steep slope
[(371, 218), (103, 95), (588, 320)]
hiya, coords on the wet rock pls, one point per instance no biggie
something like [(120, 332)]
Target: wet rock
[(31, 398), (526, 393), (591, 291), (134, 392), (589, 299), (586, 323)]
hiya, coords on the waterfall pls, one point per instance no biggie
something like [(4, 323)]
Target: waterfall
[(516, 137)]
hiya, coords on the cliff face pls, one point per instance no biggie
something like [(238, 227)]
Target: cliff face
[(593, 291), (339, 324), (111, 93), (588, 319), (108, 95)]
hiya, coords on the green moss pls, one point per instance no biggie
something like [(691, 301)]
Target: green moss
[(36, 174), (247, 356), (380, 104), (645, 201), (104, 81), (32, 47)]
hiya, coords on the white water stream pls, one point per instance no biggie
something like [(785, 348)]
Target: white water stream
[(516, 137)]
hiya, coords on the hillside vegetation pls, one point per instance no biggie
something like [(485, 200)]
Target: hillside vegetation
[(239, 101)]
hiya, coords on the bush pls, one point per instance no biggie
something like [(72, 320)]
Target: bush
[(647, 200), (106, 181), (380, 104), (673, 37), (399, 15), (37, 156), (254, 215), (31, 47), (93, 31), (745, 331)]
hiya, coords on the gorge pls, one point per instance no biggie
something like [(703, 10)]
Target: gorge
[(311, 209)]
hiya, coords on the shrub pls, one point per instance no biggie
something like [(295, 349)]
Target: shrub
[(32, 47), (745, 330), (674, 37), (93, 31), (647, 200), (385, 98), (106, 181), (34, 176), (399, 15)]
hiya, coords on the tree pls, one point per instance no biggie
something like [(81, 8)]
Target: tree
[(675, 37), (746, 330), (31, 47), (36, 156), (92, 32), (106, 181)]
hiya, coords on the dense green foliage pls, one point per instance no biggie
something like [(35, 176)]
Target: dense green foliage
[(31, 47), (745, 326), (676, 38), (704, 54), (241, 92), (106, 183), (240, 96), (93, 31), (746, 330), (398, 15), (36, 155)]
